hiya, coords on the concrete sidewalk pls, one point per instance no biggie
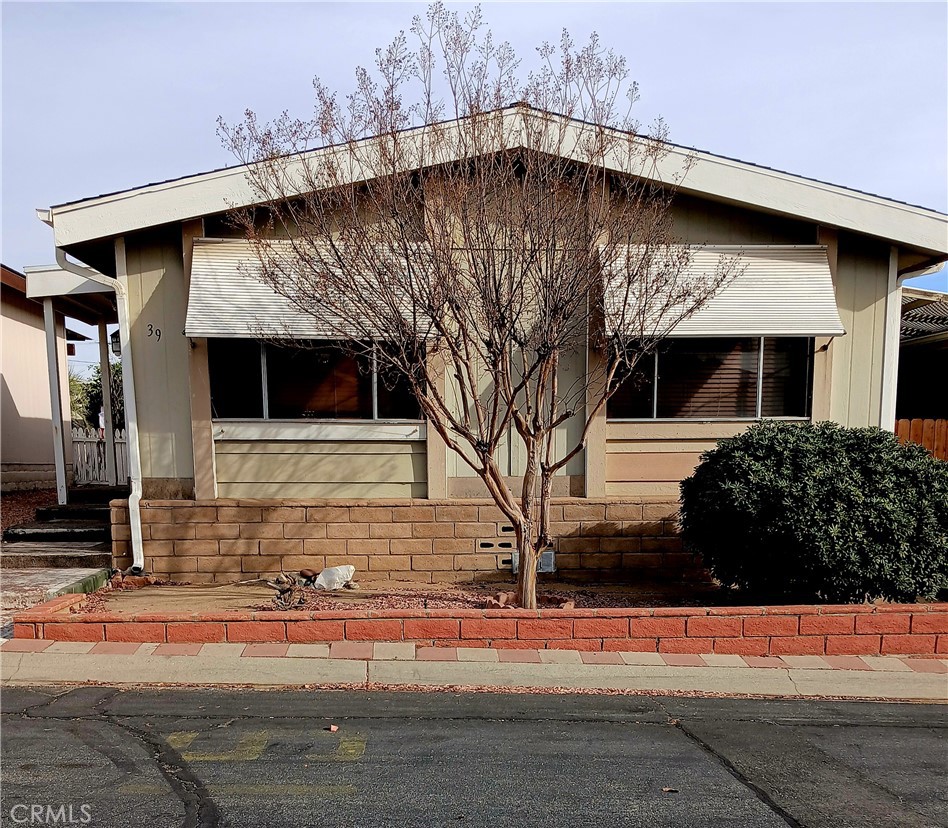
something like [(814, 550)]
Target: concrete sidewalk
[(23, 588), (28, 662)]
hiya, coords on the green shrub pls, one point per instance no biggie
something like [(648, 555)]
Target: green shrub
[(820, 512)]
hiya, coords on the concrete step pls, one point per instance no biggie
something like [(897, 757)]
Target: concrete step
[(27, 555), (60, 531), (74, 511), (96, 494)]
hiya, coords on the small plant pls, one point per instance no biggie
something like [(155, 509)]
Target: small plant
[(820, 512)]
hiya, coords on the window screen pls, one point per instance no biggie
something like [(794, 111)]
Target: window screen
[(785, 381), (633, 400), (235, 376)]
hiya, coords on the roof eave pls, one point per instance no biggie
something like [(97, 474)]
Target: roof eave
[(710, 176)]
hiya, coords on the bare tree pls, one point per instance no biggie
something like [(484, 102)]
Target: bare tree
[(474, 246)]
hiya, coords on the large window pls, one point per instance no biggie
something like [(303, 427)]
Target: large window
[(719, 379), (321, 381)]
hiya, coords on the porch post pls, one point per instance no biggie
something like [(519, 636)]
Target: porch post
[(55, 400), (105, 372)]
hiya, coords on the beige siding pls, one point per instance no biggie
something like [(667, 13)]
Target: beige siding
[(652, 458), (861, 286), (27, 438), (698, 221), (158, 300), (640, 458), (510, 452), (290, 468)]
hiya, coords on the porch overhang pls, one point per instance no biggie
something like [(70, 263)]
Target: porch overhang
[(72, 295), (93, 302)]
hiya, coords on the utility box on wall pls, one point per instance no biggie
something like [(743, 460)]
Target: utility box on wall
[(546, 565)]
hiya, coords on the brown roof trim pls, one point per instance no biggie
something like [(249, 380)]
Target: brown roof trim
[(13, 279)]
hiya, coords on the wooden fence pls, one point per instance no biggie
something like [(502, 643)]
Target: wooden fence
[(932, 434), (88, 457)]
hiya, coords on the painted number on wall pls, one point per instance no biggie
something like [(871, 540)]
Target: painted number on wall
[(155, 332)]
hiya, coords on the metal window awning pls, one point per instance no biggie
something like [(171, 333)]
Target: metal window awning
[(226, 297), (779, 290)]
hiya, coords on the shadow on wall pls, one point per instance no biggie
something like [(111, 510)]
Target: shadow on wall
[(23, 440)]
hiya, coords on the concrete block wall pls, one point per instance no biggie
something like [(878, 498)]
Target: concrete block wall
[(218, 541)]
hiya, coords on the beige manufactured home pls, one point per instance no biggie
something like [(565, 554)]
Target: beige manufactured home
[(252, 457), (29, 428)]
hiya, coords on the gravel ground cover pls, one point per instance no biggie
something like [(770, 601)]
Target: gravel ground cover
[(20, 507)]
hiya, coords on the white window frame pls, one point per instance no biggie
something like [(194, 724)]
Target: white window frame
[(349, 423), (758, 416)]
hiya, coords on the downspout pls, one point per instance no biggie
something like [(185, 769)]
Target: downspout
[(131, 414)]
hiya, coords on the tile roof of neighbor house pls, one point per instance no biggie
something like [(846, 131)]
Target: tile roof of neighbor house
[(924, 313), (218, 198)]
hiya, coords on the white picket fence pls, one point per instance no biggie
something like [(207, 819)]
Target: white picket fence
[(88, 457)]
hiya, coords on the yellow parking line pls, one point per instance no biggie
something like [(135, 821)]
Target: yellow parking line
[(249, 748), (350, 749), (181, 739)]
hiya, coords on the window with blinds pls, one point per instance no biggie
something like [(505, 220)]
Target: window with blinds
[(322, 383), (719, 379), (319, 381)]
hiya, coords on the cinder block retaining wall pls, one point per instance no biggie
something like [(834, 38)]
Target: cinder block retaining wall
[(422, 540), (863, 629)]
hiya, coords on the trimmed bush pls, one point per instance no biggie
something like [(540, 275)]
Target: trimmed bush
[(820, 512)]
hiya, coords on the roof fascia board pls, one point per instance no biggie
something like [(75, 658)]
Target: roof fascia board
[(49, 281), (710, 176), (762, 188)]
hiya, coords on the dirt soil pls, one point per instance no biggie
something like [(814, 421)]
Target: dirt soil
[(20, 507), (389, 595)]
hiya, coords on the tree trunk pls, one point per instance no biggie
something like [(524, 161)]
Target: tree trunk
[(527, 574)]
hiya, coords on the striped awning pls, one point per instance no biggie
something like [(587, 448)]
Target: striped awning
[(778, 290), (227, 298)]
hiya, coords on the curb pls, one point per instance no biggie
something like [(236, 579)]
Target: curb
[(754, 631)]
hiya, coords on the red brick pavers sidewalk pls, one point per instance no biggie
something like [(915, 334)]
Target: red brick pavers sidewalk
[(406, 664)]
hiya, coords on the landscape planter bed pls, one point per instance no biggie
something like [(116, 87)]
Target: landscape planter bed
[(859, 629)]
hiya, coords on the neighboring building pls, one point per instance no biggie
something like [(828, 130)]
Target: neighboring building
[(923, 356), (26, 427), (224, 420)]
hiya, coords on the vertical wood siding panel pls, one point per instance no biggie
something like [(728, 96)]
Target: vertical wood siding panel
[(157, 297)]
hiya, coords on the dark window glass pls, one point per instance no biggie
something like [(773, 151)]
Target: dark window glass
[(633, 399), (236, 387), (715, 378), (785, 383), (396, 400), (322, 382)]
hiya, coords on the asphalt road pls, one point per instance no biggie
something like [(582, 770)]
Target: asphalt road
[(156, 758)]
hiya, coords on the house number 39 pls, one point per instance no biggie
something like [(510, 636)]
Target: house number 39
[(155, 332)]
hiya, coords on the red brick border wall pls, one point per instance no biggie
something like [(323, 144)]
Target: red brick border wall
[(864, 629), (420, 540)]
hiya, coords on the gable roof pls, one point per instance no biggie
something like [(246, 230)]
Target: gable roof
[(711, 176)]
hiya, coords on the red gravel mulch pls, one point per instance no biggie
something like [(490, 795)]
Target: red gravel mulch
[(20, 507), (468, 597)]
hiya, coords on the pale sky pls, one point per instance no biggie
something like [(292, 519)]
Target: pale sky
[(105, 96)]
